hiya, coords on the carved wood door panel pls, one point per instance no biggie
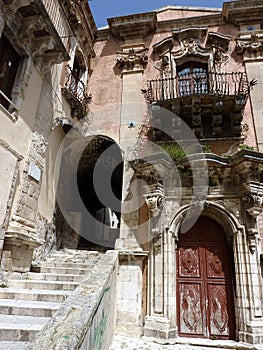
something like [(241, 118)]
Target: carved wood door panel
[(204, 289)]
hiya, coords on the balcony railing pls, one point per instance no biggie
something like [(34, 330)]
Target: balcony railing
[(76, 93), (218, 84), (59, 20)]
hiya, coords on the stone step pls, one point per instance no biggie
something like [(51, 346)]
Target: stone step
[(46, 285), (67, 265), (77, 254), (13, 345), (56, 296), (66, 270), (52, 277), (28, 308), (21, 328)]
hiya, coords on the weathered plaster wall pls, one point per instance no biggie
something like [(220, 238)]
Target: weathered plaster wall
[(105, 85), (47, 196)]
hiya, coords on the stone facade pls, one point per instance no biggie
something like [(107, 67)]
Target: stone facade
[(167, 105)]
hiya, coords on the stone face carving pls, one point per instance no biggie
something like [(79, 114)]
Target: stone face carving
[(133, 59), (220, 59), (250, 47), (164, 66), (154, 198)]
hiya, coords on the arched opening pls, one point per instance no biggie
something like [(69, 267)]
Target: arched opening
[(205, 304), (90, 219), (100, 174)]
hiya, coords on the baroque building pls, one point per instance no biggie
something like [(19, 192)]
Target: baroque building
[(143, 137)]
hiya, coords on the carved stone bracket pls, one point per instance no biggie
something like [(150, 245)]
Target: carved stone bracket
[(132, 59), (251, 47), (253, 204), (154, 198)]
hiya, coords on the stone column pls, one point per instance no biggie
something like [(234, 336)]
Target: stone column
[(132, 61), (252, 205)]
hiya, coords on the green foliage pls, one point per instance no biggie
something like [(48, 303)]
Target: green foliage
[(174, 151), (246, 147)]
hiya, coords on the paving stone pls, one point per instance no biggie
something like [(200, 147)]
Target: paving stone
[(132, 343), (13, 345)]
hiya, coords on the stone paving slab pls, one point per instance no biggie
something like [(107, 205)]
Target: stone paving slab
[(129, 343), (13, 345)]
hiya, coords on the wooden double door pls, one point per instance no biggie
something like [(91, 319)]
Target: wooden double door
[(205, 306)]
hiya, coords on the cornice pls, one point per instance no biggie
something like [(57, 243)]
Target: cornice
[(138, 25), (241, 12)]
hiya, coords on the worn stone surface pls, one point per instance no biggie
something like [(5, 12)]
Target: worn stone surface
[(87, 318), (121, 342)]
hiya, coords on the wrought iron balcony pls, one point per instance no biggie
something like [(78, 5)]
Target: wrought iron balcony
[(211, 104), (214, 84), (75, 93)]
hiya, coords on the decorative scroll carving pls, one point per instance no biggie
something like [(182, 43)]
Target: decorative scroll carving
[(154, 198), (219, 310), (132, 59), (189, 47), (253, 204), (251, 47)]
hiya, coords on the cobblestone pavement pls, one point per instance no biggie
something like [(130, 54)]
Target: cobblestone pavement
[(128, 343)]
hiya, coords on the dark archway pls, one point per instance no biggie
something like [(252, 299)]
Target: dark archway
[(100, 173), (89, 194)]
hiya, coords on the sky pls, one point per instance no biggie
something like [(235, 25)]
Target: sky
[(103, 9)]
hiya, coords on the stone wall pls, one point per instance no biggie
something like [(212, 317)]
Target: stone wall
[(86, 320)]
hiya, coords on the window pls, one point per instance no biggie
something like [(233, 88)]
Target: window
[(192, 78), (9, 62)]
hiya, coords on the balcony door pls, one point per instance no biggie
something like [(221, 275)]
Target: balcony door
[(9, 62), (205, 305), (192, 79)]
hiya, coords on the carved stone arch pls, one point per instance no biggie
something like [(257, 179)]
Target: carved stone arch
[(214, 211)]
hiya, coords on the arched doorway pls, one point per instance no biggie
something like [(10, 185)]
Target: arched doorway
[(100, 173), (89, 193), (205, 306)]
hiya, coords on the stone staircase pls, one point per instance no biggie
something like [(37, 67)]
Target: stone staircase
[(31, 299)]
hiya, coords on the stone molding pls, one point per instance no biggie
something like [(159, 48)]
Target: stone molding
[(133, 59)]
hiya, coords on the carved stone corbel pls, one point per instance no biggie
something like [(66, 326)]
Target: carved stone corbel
[(251, 47), (154, 198), (253, 203), (133, 59)]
